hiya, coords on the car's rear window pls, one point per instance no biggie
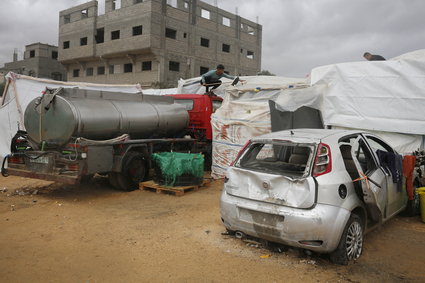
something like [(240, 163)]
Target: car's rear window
[(289, 159)]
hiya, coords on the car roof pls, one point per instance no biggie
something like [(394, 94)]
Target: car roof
[(305, 135)]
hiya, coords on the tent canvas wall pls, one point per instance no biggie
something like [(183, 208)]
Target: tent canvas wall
[(386, 98)]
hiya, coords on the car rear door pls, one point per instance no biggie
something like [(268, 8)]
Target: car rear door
[(371, 177), (396, 195)]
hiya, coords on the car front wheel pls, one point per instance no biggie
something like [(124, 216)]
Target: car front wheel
[(351, 244)]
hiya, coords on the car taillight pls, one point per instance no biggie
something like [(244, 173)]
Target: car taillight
[(323, 161), (16, 159), (240, 152)]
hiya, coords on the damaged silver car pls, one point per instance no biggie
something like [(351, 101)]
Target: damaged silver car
[(315, 189)]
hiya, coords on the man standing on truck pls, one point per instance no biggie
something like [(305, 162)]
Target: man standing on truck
[(212, 78)]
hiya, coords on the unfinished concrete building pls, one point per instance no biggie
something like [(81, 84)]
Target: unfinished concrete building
[(155, 42), (40, 60)]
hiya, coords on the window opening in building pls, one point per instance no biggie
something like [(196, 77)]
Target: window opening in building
[(116, 4), (205, 14), (89, 72), (115, 34), (147, 66), (84, 13), (76, 73), (111, 69), (184, 35), (226, 21), (100, 35), (137, 30), (186, 5), (101, 70), (65, 44), (100, 8), (138, 1), (226, 48), (205, 42), (170, 33), (83, 41), (241, 50), (128, 68), (172, 3), (54, 55), (250, 30), (174, 66), (32, 53), (66, 19), (250, 54), (203, 70)]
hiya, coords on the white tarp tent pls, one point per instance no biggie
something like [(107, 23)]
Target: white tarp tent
[(386, 98), (244, 114), (23, 89), (377, 95)]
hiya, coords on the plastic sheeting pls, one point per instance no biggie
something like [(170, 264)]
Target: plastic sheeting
[(253, 83), (244, 114), (158, 91), (374, 95), (23, 89), (383, 97)]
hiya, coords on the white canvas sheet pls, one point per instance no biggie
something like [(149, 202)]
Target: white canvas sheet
[(253, 83), (377, 95)]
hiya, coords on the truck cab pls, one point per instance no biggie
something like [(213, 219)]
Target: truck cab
[(200, 108)]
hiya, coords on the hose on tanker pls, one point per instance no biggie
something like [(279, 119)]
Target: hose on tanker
[(81, 139), (123, 137)]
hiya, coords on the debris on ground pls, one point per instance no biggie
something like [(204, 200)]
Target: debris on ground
[(308, 261)]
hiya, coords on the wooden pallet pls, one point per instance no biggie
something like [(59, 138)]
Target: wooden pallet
[(178, 191)]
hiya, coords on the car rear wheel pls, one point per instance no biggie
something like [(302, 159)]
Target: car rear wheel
[(351, 244)]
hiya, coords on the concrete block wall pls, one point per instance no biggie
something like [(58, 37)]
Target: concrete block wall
[(155, 16)]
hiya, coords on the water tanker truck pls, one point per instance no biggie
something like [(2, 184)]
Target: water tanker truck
[(72, 134)]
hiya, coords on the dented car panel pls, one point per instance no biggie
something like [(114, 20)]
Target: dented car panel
[(271, 188), (306, 188)]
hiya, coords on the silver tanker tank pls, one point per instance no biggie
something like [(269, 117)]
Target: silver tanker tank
[(61, 114)]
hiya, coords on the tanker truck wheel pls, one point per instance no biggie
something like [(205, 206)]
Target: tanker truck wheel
[(133, 172)]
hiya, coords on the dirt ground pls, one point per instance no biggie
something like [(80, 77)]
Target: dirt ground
[(92, 233)]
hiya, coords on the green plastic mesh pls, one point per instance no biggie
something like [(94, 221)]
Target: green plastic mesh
[(175, 164)]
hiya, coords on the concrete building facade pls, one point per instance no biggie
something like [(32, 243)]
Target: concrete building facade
[(155, 42), (40, 60)]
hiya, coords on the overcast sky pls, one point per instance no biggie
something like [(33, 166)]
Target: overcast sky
[(298, 35)]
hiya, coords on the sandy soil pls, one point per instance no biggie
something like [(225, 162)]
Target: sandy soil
[(91, 233)]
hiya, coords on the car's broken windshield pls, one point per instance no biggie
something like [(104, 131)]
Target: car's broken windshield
[(288, 159)]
